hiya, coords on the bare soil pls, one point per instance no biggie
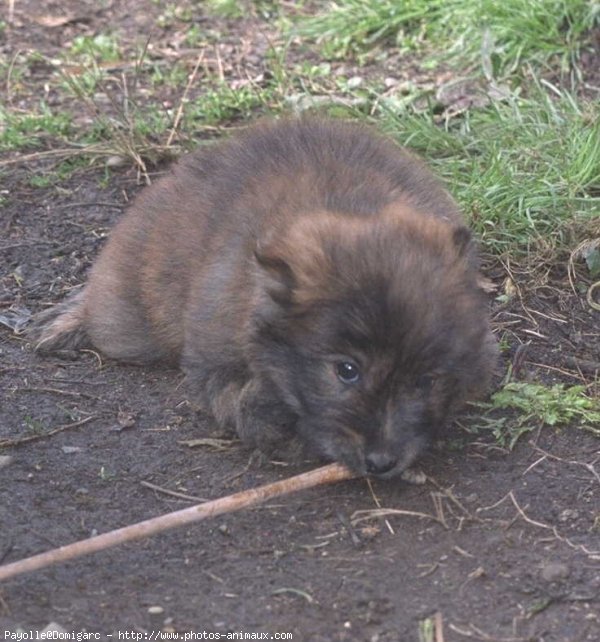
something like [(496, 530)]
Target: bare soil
[(496, 546)]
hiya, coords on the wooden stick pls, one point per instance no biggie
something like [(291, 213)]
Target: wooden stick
[(237, 501)]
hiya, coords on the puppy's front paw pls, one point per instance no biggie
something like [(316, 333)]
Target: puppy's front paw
[(267, 424)]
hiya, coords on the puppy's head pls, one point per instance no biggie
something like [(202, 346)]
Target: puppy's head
[(373, 330)]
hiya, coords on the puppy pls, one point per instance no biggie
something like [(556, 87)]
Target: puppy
[(315, 282)]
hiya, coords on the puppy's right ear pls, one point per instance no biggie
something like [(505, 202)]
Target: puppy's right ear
[(280, 279)]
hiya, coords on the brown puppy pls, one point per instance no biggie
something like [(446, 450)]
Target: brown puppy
[(314, 281)]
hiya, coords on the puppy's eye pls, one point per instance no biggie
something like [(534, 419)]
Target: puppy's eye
[(347, 372), (424, 382)]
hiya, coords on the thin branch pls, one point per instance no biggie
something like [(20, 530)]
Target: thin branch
[(181, 106), (237, 501), (5, 443)]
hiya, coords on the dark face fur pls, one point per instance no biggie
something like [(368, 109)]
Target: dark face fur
[(374, 334)]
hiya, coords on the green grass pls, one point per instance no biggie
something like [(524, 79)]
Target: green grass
[(523, 169), (347, 27), (536, 406), (20, 130), (236, 9), (99, 48), (503, 35), (222, 103), (91, 56), (427, 630), (172, 76), (513, 32)]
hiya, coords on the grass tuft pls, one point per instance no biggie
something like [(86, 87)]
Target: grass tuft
[(99, 48), (501, 34), (21, 130), (352, 26), (541, 405), (523, 169), (536, 405)]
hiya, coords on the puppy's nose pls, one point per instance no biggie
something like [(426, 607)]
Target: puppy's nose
[(379, 463)]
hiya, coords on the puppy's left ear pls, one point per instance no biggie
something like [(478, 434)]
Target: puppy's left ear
[(466, 249), (462, 238), (280, 277)]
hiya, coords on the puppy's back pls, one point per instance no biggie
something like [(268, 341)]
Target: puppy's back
[(188, 241), (312, 164)]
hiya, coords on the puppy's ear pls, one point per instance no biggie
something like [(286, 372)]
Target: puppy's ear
[(465, 246), (462, 240), (280, 279)]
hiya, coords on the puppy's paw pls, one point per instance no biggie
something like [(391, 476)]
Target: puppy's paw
[(267, 424)]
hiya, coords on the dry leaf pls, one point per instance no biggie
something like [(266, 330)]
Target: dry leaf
[(54, 21)]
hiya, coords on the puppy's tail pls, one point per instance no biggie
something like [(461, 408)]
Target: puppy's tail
[(60, 327)]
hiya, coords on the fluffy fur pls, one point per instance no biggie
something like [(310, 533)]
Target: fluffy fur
[(314, 281)]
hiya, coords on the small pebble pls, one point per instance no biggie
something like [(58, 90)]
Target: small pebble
[(354, 82), (414, 476), (554, 571), (70, 449), (116, 161), (568, 515), (5, 460)]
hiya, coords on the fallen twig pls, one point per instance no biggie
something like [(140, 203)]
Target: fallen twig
[(172, 493), (378, 504), (183, 100), (368, 513), (5, 443), (237, 501), (57, 391), (593, 554)]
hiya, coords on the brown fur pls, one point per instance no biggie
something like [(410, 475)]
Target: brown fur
[(263, 263)]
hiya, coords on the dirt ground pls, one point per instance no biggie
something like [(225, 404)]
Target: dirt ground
[(496, 546)]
